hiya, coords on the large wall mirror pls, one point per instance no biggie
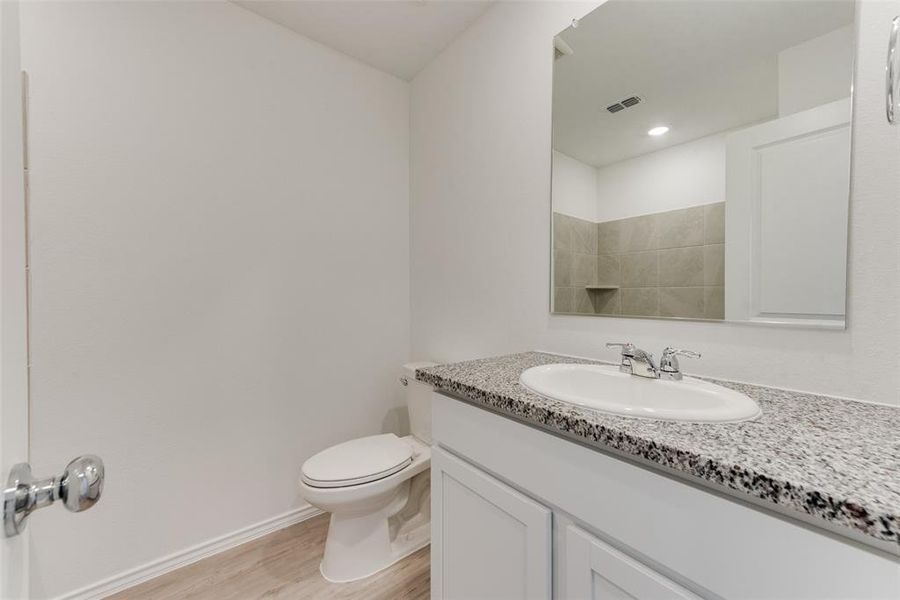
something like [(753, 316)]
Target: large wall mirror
[(701, 161)]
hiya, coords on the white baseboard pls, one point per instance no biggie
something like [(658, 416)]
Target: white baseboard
[(155, 568)]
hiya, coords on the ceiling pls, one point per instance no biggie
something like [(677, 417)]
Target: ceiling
[(399, 37), (700, 67)]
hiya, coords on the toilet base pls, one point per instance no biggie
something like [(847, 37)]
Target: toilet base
[(396, 557), (359, 546)]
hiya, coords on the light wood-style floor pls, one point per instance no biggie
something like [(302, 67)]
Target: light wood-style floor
[(283, 564)]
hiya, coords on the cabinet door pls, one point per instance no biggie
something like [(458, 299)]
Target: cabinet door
[(594, 570), (488, 540)]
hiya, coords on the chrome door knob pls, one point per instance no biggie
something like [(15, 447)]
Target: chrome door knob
[(79, 488), (82, 483)]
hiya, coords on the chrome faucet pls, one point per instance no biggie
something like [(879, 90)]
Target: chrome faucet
[(636, 361), (639, 362)]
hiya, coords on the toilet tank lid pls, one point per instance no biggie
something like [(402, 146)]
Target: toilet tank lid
[(409, 369)]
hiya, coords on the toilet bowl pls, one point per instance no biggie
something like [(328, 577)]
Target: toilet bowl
[(377, 490)]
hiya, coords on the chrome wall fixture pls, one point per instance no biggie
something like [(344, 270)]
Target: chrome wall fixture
[(79, 488), (892, 73)]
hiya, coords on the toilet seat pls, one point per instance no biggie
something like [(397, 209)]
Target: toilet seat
[(358, 461)]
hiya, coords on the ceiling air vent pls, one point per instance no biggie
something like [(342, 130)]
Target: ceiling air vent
[(623, 104)]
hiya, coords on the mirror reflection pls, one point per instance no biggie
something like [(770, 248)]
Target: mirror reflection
[(701, 161)]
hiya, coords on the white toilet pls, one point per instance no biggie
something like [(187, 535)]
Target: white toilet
[(377, 490)]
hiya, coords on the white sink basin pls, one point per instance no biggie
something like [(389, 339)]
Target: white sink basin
[(605, 388)]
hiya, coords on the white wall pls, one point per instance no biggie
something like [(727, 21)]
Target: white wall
[(221, 285), (690, 174), (574, 187), (480, 230), (816, 71)]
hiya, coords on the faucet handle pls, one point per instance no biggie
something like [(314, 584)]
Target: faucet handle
[(668, 363), (627, 347), (628, 352), (679, 352)]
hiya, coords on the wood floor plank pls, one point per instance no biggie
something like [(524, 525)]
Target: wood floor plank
[(283, 565)]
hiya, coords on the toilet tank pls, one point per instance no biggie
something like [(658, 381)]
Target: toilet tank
[(418, 401)]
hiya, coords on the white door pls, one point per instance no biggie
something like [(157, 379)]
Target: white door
[(594, 570), (489, 541), (13, 371), (787, 189), (80, 484)]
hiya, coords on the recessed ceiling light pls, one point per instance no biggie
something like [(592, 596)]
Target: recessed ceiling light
[(658, 130)]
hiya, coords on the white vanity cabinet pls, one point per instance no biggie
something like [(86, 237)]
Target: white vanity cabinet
[(518, 512), (488, 540), (594, 570)]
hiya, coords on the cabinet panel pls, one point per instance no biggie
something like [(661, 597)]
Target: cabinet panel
[(488, 540), (594, 570)]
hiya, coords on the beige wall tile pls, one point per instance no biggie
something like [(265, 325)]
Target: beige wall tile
[(640, 269), (584, 270), (686, 302), (714, 223), (714, 302), (680, 228), (638, 233), (563, 261), (681, 267), (564, 300), (562, 232), (608, 237), (584, 236), (640, 301), (714, 264), (669, 264), (609, 270)]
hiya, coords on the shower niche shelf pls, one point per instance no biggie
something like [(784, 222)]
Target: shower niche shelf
[(601, 288)]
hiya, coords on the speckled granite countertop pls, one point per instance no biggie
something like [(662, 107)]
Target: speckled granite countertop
[(833, 459)]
